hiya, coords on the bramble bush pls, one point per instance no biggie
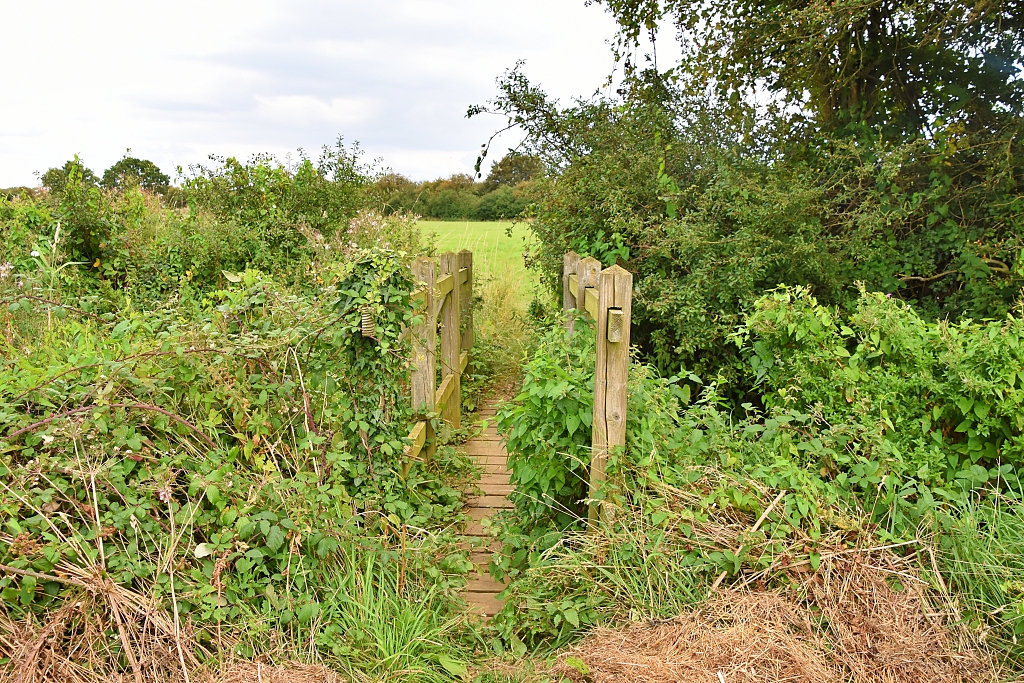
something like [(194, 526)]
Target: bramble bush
[(243, 446), (879, 426)]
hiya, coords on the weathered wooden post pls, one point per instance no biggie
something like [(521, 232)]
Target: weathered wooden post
[(424, 345), (587, 275), (615, 301), (466, 300), (570, 265), (451, 341)]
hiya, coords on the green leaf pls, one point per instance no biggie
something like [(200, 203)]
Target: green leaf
[(572, 616), (572, 423), (275, 538), (307, 612), (453, 666)]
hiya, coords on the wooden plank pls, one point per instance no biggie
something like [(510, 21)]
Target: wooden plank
[(451, 340), (466, 299), (590, 299), (475, 447), (444, 394), (497, 502), (570, 262), (476, 529), (444, 285), (610, 379), (418, 435), (495, 489), (484, 604), (484, 584), (463, 361), (463, 272), (588, 275), (424, 345)]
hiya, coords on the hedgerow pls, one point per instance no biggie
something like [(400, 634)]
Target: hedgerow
[(226, 456)]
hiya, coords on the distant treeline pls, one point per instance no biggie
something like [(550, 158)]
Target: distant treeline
[(507, 192)]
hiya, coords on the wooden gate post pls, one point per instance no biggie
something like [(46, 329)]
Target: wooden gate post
[(615, 301), (570, 265), (466, 300), (451, 341), (424, 345), (588, 275)]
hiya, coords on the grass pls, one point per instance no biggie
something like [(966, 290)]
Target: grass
[(505, 287), (496, 254)]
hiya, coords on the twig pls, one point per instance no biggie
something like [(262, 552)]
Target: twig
[(174, 599), (760, 521), (127, 406), (145, 354), (79, 311), (915, 278), (136, 669), (44, 577)]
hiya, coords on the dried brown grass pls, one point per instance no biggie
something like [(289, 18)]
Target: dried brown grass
[(74, 644), (257, 672), (849, 621)]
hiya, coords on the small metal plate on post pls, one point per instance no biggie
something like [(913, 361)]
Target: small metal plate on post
[(616, 321)]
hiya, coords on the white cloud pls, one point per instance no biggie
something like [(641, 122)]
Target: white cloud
[(177, 82), (302, 110)]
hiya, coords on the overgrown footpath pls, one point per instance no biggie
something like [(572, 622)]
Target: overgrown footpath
[(202, 471), (201, 452)]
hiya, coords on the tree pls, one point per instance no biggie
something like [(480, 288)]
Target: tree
[(512, 169), (56, 179), (900, 67), (131, 171)]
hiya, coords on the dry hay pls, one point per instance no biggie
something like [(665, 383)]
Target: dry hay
[(844, 622), (258, 672), (75, 643)]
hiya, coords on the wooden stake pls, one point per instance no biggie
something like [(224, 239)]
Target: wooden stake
[(424, 346), (466, 299), (611, 377), (451, 340), (570, 264), (588, 274)]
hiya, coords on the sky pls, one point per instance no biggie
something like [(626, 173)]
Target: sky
[(178, 81)]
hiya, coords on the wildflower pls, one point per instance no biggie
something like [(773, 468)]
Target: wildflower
[(35, 254), (5, 270)]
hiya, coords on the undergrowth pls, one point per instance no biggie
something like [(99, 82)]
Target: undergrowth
[(834, 461)]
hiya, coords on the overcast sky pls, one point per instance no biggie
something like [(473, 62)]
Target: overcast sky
[(177, 81)]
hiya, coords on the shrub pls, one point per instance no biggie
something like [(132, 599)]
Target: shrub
[(229, 457), (936, 402)]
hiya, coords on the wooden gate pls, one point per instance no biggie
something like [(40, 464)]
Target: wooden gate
[(606, 296)]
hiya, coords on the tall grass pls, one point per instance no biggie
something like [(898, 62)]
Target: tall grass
[(980, 560)]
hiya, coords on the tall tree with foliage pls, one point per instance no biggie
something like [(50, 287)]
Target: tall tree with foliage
[(770, 156), (133, 171), (900, 67)]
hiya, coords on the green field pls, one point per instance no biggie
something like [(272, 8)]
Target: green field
[(496, 255), (494, 251)]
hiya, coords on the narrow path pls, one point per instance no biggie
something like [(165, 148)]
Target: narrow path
[(488, 451)]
